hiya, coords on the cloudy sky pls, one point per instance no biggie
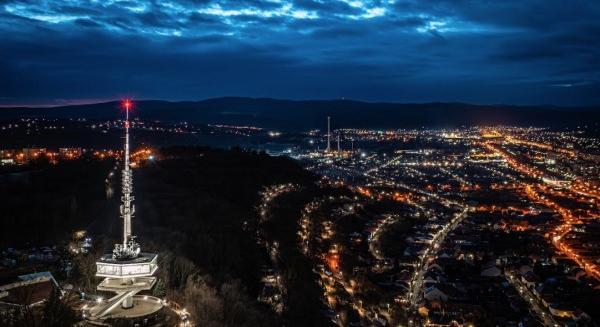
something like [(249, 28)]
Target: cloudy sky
[(496, 51)]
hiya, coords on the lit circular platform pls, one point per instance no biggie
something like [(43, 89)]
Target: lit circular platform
[(142, 306)]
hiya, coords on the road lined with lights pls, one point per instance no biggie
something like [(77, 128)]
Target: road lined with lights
[(275, 280), (429, 255), (561, 230), (532, 191), (536, 306)]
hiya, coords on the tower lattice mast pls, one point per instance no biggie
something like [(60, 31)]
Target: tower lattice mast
[(129, 248), (127, 208)]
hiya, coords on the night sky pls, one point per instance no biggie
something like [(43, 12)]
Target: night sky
[(497, 51)]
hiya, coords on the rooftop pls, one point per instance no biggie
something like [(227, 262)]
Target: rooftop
[(143, 257)]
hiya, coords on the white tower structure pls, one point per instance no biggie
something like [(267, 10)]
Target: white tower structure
[(126, 270), (127, 208), (328, 134), (338, 142)]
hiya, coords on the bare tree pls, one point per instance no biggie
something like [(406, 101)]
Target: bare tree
[(84, 272), (58, 312), (203, 302)]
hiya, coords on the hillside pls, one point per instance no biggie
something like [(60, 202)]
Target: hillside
[(301, 115), (196, 207)]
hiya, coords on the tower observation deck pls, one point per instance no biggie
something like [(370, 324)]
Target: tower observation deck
[(126, 271)]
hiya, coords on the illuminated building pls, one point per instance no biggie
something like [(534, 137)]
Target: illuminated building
[(33, 153), (70, 153)]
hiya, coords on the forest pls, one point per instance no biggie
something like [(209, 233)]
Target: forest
[(195, 206)]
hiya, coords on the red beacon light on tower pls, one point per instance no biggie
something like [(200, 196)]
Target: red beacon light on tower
[(127, 104)]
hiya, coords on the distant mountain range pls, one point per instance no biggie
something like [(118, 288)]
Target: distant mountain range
[(302, 115)]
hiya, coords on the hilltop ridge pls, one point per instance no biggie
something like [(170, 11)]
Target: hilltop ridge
[(307, 114)]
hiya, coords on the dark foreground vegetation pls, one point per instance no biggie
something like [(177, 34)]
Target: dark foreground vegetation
[(196, 207), (43, 204)]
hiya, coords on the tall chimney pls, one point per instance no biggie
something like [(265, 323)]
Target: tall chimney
[(328, 133)]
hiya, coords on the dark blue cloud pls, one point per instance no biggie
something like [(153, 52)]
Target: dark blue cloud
[(532, 52)]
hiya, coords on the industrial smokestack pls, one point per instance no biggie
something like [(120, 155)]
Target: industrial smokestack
[(328, 133)]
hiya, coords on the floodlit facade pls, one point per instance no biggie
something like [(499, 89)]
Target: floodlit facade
[(142, 266)]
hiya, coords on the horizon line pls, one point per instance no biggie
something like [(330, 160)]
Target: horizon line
[(82, 102)]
